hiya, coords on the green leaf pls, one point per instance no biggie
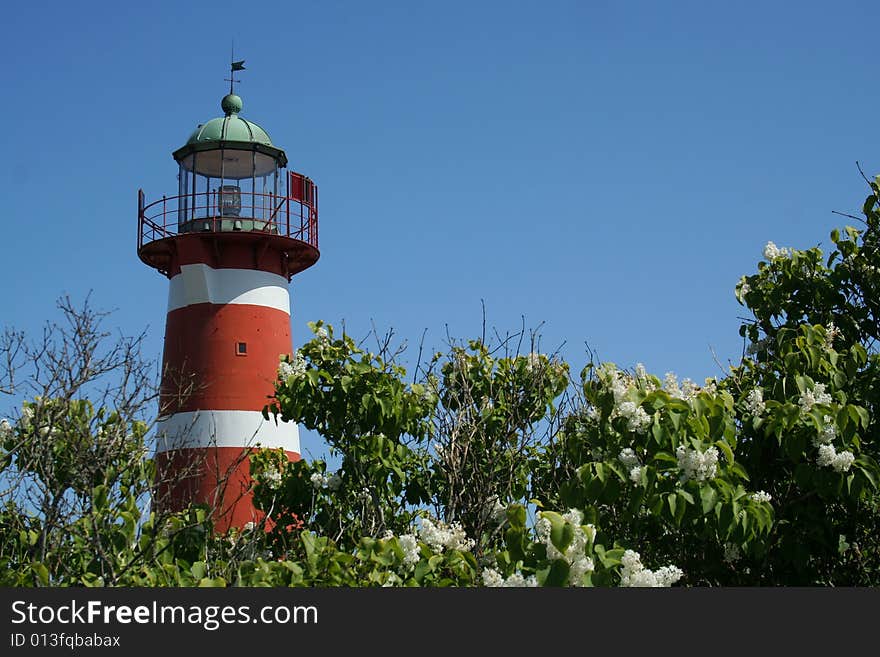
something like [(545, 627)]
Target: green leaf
[(708, 497), (41, 573), (516, 515), (725, 449), (561, 532)]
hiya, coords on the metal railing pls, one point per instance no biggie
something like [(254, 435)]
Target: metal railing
[(212, 211)]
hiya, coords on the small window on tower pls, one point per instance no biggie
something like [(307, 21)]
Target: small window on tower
[(241, 348)]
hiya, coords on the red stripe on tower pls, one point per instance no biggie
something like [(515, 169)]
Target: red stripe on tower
[(229, 242)]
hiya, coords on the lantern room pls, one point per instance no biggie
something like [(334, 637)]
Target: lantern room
[(233, 187), (229, 172)]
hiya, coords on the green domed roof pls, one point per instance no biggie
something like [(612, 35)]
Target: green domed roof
[(230, 127), (229, 132)]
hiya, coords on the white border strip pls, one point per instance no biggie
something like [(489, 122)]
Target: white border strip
[(203, 284), (203, 429)]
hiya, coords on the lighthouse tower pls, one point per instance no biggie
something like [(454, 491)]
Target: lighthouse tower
[(238, 228)]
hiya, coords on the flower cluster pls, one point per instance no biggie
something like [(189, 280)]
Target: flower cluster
[(772, 252), (810, 398), (670, 385), (642, 378), (633, 573), (761, 496), (5, 429), (271, 478), (695, 464), (831, 334), (839, 461), (493, 578), (291, 369), (755, 402), (574, 556), (409, 544), (333, 482), (688, 389), (828, 432), (637, 420), (439, 536), (631, 462)]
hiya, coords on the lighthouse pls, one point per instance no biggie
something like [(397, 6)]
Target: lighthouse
[(239, 226)]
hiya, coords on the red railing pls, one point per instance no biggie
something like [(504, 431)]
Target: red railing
[(230, 210)]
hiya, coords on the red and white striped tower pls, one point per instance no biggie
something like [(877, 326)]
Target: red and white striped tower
[(231, 239)]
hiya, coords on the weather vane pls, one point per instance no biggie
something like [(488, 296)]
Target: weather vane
[(234, 66)]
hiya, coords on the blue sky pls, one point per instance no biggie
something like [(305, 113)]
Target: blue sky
[(608, 169)]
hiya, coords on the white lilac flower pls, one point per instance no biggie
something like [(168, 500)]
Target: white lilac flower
[(249, 526), (628, 458), (755, 402), (5, 429), (697, 465), (318, 480), (731, 552), (689, 389), (574, 554), (744, 289), (635, 474), (578, 569), (517, 580), (492, 578), (272, 478), (334, 482), (439, 536), (637, 420), (843, 461), (831, 334), (632, 463), (410, 547), (810, 398), (828, 432), (291, 370), (633, 573), (761, 496), (392, 580), (614, 380), (641, 376), (670, 385), (772, 252), (321, 333), (667, 575), (827, 454)]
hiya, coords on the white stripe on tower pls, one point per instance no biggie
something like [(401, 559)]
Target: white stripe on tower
[(200, 283), (204, 429)]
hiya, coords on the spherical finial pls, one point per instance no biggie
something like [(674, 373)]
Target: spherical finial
[(231, 104)]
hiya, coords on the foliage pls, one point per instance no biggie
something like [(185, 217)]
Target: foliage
[(492, 466)]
